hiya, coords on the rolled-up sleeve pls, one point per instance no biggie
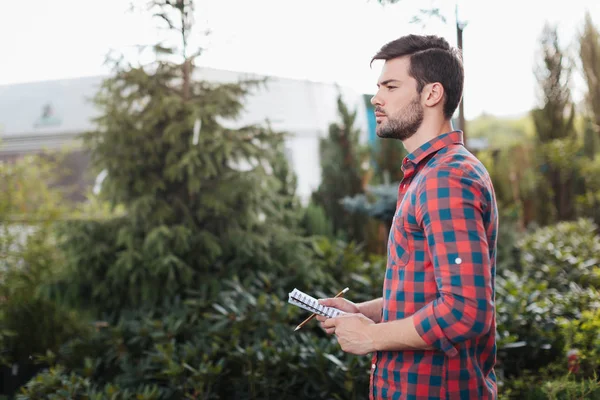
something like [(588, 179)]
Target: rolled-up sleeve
[(450, 209)]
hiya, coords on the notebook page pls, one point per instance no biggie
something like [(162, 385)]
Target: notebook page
[(309, 303)]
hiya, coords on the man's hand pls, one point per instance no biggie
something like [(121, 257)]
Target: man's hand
[(352, 332), (339, 303)]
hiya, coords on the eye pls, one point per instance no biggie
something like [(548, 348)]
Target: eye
[(391, 87)]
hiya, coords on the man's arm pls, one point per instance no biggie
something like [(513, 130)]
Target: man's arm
[(450, 208)]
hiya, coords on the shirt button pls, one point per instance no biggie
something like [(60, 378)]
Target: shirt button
[(458, 260), (372, 366)]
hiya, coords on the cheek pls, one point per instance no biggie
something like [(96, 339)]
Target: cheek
[(395, 107), (397, 99), (399, 103)]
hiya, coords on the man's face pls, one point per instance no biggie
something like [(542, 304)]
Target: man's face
[(398, 109)]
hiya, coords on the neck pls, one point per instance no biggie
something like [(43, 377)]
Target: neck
[(429, 129)]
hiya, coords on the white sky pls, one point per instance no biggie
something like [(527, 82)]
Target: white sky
[(320, 40)]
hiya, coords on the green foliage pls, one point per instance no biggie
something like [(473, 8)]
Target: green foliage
[(30, 322), (558, 275), (591, 139), (315, 221), (241, 346), (516, 185), (388, 156), (338, 265), (28, 193), (589, 52), (555, 127), (540, 387), (555, 281), (588, 203), (502, 132), (566, 389), (527, 310), (342, 164), (379, 202), (555, 120), (583, 335), (563, 254), (202, 201), (57, 384)]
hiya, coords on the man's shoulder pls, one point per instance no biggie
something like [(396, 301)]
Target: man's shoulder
[(456, 162)]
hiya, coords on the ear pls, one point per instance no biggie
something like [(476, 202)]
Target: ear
[(434, 94)]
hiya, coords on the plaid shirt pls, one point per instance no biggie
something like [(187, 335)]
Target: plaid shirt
[(441, 270)]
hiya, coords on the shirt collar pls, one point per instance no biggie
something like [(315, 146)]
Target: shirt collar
[(434, 145)]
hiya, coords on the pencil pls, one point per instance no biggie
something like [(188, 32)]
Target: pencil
[(314, 315)]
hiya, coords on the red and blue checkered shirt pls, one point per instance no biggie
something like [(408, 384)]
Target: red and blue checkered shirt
[(441, 270)]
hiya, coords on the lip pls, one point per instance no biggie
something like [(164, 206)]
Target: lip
[(379, 115)]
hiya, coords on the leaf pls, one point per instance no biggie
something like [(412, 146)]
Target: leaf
[(336, 361), (220, 309)]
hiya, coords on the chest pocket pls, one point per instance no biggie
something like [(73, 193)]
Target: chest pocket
[(399, 243)]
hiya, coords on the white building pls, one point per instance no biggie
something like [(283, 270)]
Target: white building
[(52, 114)]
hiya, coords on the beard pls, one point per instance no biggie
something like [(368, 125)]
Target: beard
[(404, 125)]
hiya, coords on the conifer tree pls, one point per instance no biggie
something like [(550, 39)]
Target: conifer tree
[(203, 201), (589, 51), (342, 158), (554, 124)]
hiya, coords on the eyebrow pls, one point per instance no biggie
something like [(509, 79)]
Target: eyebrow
[(388, 81)]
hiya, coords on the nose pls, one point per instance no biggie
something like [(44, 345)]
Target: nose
[(376, 101)]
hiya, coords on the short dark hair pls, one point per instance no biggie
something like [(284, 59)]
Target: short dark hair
[(431, 60)]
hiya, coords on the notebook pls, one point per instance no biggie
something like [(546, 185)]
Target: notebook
[(309, 303)]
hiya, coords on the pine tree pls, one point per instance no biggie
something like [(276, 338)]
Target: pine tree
[(380, 197), (389, 156), (203, 201), (555, 120), (589, 51), (342, 158), (555, 129)]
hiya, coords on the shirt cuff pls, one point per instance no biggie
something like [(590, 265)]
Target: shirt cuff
[(431, 332)]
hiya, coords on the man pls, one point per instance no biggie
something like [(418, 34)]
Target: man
[(432, 334)]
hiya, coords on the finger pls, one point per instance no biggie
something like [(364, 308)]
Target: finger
[(339, 303), (329, 331), (330, 302), (321, 318), (328, 323)]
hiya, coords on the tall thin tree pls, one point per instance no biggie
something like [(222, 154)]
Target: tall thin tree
[(589, 51), (554, 124)]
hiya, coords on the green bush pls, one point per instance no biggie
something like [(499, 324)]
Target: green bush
[(562, 254), (552, 293), (56, 384), (539, 387), (315, 222), (30, 322), (583, 335), (588, 203), (241, 346)]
